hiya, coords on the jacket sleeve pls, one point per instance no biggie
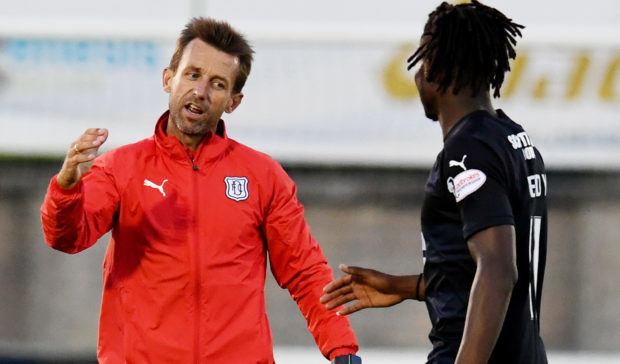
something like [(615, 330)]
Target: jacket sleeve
[(74, 219), (299, 265)]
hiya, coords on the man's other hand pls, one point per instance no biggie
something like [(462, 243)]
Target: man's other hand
[(369, 288), (80, 157)]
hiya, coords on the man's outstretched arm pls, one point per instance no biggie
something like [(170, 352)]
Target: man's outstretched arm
[(70, 222), (371, 288), (299, 265)]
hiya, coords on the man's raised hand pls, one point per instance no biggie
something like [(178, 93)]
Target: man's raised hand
[(80, 157), (368, 288)]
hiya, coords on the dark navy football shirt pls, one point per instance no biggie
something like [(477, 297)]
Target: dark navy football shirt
[(487, 174)]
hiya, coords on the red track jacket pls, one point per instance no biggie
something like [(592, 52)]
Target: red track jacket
[(184, 273)]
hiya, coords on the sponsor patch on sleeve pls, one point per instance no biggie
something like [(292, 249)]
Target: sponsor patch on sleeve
[(466, 183)]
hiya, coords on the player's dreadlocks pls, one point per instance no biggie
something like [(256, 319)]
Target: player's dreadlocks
[(468, 45)]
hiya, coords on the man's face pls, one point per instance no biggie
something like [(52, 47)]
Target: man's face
[(428, 90), (201, 89)]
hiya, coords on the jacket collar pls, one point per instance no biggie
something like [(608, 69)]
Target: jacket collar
[(212, 146)]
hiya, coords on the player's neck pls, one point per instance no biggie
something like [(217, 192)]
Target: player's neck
[(453, 108)]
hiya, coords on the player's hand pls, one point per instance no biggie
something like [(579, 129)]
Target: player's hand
[(367, 287), (80, 157)]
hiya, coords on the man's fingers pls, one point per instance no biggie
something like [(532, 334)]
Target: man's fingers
[(335, 294), (80, 153), (340, 300), (86, 156), (352, 270), (102, 135), (347, 310), (80, 156), (88, 143), (342, 281), (96, 131), (91, 138)]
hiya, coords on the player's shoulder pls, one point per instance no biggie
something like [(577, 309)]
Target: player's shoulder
[(259, 164), (481, 124), (482, 129), (244, 151), (480, 139), (128, 153)]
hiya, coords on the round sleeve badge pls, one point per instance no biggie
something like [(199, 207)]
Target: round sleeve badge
[(466, 183)]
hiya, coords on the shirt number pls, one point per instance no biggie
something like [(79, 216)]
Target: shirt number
[(534, 250)]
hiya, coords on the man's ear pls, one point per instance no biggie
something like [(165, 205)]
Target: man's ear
[(233, 102), (426, 66), (166, 78)]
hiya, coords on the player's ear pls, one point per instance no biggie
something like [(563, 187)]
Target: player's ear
[(233, 102), (167, 76), (426, 66)]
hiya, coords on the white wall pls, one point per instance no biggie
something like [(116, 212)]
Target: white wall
[(328, 84)]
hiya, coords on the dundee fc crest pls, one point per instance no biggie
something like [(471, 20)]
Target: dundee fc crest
[(237, 188)]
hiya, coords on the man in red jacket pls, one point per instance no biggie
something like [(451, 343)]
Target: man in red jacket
[(193, 215)]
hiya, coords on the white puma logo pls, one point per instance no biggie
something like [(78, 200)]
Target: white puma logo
[(459, 164), (157, 187)]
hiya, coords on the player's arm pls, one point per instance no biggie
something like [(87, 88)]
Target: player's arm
[(70, 221), (370, 288), (494, 252)]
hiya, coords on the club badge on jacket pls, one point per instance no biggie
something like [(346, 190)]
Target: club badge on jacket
[(237, 188)]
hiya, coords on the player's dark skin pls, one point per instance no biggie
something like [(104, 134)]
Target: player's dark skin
[(493, 250)]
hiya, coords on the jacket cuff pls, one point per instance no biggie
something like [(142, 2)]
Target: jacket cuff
[(67, 192), (59, 197), (345, 350)]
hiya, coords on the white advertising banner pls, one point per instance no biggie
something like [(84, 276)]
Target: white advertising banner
[(311, 101)]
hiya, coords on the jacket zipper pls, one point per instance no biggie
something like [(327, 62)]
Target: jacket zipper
[(196, 252)]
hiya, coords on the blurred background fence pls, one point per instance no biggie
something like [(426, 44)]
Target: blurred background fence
[(329, 97)]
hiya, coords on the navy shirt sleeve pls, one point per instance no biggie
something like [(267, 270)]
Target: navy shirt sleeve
[(476, 175)]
